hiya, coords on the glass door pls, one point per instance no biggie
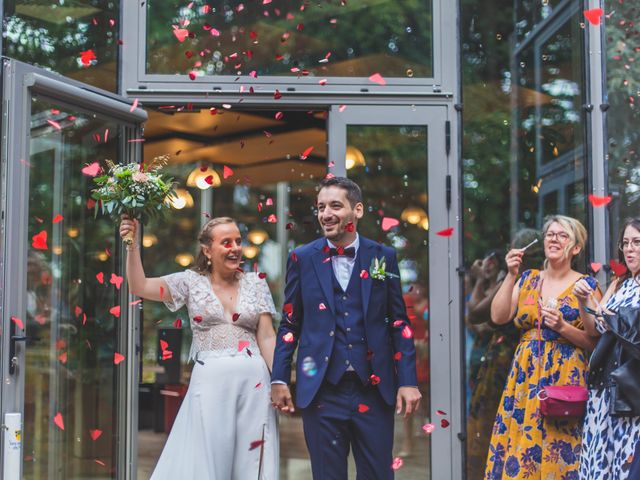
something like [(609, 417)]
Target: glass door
[(399, 157), (64, 395)]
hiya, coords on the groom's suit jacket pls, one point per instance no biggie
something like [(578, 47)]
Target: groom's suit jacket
[(309, 320)]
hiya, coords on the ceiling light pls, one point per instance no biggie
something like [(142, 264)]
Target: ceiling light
[(354, 158), (181, 200), (203, 177), (413, 215), (257, 236)]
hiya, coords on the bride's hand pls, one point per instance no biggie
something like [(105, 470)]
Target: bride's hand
[(128, 226)]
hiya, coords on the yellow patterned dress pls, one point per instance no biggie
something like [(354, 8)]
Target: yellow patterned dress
[(525, 445)]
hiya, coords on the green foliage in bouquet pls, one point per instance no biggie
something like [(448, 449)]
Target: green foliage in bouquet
[(137, 190)]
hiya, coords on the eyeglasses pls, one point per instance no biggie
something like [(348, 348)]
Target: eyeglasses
[(634, 244), (561, 236)]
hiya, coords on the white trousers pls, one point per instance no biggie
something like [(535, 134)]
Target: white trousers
[(226, 428)]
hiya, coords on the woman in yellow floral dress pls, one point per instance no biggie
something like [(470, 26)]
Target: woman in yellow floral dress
[(525, 445)]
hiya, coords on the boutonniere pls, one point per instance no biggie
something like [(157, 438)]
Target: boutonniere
[(378, 269)]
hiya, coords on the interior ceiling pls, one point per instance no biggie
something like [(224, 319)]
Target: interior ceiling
[(260, 149)]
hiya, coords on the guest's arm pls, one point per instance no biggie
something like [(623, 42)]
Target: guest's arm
[(505, 302), (581, 338)]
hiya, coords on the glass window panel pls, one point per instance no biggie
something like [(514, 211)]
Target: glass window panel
[(522, 118), (72, 336), (334, 38), (271, 194), (390, 165), (54, 35), (623, 116)]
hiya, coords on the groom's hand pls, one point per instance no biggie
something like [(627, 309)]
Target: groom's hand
[(410, 396), (281, 398)]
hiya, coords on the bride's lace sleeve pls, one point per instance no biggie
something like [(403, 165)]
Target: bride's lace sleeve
[(178, 284), (263, 295)]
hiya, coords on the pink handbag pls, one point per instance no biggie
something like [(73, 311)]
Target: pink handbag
[(559, 400), (563, 400)]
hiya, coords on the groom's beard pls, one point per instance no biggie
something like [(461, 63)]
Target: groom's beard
[(338, 231)]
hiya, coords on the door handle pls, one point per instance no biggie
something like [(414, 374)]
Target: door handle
[(13, 339)]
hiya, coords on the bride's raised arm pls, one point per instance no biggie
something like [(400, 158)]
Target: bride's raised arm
[(148, 288)]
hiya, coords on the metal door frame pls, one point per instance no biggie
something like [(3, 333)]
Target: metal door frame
[(20, 82), (444, 258)]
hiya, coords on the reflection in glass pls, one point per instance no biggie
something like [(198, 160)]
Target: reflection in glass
[(623, 115), (70, 376), (77, 38), (333, 38), (394, 184)]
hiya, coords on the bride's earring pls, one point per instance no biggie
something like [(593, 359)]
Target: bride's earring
[(208, 262)]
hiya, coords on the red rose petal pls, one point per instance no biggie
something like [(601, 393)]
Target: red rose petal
[(617, 268), (287, 337), (115, 311), (397, 463), (255, 444), (57, 218), (397, 356), (197, 319), (95, 434), (377, 78), (374, 379), (322, 306), (19, 323), (362, 408), (306, 153), (447, 232), (91, 170), (59, 421), (39, 241), (440, 412), (594, 16), (177, 323), (272, 218), (349, 227), (116, 280), (163, 345), (597, 201), (407, 332), (226, 172), (364, 274), (388, 223), (118, 358), (288, 309), (235, 317), (100, 277), (262, 275), (444, 423)]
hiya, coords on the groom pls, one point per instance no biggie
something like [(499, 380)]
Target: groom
[(356, 359)]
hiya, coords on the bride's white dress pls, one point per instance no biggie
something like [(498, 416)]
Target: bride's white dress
[(226, 428)]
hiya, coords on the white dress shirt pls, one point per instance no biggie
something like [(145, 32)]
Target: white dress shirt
[(343, 265)]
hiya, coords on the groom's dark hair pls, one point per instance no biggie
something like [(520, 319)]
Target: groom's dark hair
[(354, 194)]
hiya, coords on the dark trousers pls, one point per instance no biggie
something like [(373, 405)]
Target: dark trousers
[(334, 422)]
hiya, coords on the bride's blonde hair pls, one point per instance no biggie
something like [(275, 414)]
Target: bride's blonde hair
[(203, 265)]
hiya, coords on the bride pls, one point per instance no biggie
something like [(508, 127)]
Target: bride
[(226, 428)]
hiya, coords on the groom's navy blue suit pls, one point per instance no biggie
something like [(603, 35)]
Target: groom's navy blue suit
[(352, 357)]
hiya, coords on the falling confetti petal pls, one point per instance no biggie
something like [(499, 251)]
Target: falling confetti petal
[(349, 227), (306, 153), (95, 434), (322, 306), (362, 408), (255, 444), (287, 337), (197, 319), (593, 16), (235, 317), (116, 280), (407, 332), (115, 311), (444, 423), (181, 33), (375, 380), (118, 358), (134, 105), (242, 344), (39, 241), (100, 277), (272, 218), (19, 323), (57, 218), (177, 323), (397, 356), (377, 78), (428, 428), (388, 223), (364, 274), (59, 421), (63, 357), (440, 412), (617, 268), (597, 201), (226, 172), (447, 232), (595, 267), (87, 57), (397, 463), (91, 170)]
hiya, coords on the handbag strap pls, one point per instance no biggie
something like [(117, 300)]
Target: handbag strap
[(539, 328)]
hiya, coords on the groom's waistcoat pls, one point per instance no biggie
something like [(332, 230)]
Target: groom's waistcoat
[(350, 343)]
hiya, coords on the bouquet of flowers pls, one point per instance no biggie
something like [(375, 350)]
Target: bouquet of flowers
[(137, 190)]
